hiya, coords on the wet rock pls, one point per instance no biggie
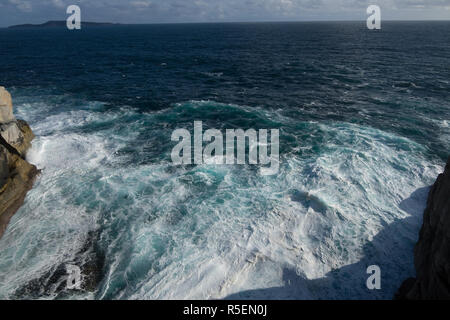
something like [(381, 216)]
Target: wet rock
[(432, 252), (16, 174), (18, 177), (54, 283)]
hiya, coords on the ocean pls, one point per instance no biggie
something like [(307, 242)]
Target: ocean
[(364, 131)]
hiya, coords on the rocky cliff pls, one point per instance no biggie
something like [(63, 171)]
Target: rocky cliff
[(432, 252), (16, 174)]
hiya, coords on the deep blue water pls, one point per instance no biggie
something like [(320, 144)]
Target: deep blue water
[(364, 122)]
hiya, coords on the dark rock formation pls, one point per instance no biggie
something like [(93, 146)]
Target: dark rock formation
[(53, 283), (432, 252), (16, 174)]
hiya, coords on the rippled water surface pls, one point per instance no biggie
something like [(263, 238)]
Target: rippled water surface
[(364, 130)]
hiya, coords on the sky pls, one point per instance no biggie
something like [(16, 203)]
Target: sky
[(175, 11)]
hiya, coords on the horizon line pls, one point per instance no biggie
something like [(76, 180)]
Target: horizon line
[(231, 22)]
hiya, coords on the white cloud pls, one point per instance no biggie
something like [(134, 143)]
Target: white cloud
[(141, 4), (145, 11), (58, 3), (22, 5)]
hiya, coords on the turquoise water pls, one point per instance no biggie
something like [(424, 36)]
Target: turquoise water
[(358, 148)]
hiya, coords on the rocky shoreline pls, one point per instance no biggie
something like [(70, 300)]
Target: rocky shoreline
[(16, 174), (432, 251)]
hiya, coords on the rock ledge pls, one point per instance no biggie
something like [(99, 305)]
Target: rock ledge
[(16, 174)]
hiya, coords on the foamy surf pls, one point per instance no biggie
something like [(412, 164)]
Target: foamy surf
[(217, 231)]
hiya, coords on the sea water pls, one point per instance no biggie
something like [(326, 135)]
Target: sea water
[(363, 119)]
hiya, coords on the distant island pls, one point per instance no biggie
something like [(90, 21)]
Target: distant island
[(61, 24)]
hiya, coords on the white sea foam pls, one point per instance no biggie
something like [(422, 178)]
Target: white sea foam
[(259, 231), (443, 132), (213, 230)]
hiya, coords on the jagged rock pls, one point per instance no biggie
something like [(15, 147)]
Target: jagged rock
[(18, 134), (6, 109), (28, 136), (11, 133), (16, 174), (432, 252), (53, 283), (18, 180), (4, 166)]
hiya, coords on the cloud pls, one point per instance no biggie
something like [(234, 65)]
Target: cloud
[(22, 5), (59, 3), (141, 4), (149, 11)]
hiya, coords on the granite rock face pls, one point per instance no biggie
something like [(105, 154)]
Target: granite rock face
[(16, 174), (432, 252), (6, 109)]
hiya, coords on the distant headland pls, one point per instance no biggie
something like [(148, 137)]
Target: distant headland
[(61, 23)]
